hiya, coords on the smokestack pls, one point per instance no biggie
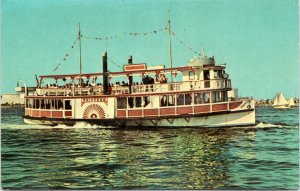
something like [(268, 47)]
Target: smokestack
[(130, 77), (105, 74)]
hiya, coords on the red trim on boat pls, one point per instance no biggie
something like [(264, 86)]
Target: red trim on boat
[(233, 105), (219, 107), (121, 113), (184, 110), (202, 109), (150, 112), (167, 111)]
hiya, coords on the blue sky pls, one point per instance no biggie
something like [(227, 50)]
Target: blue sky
[(258, 39)]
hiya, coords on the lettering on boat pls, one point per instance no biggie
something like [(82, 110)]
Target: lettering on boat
[(94, 99), (134, 67)]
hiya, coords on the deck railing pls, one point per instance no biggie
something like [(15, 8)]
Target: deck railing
[(137, 89)]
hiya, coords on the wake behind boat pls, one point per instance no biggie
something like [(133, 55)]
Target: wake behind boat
[(151, 96)]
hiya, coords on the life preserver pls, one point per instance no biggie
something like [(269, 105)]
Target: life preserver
[(249, 106)]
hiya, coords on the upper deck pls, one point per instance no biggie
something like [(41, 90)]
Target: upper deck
[(147, 81)]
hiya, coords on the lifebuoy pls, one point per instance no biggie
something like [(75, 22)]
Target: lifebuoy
[(249, 106)]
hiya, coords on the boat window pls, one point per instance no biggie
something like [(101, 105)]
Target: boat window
[(122, 103), (138, 101), (163, 101), (130, 102), (53, 104), (29, 103), (224, 96), (215, 97), (191, 75), (206, 78), (219, 96), (48, 103), (201, 98), (60, 104), (180, 99), (145, 101), (206, 74), (36, 104), (218, 73), (198, 98), (184, 99), (206, 97), (68, 105), (187, 99), (167, 100), (57, 103), (43, 104)]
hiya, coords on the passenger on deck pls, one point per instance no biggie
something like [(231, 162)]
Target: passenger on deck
[(163, 79)]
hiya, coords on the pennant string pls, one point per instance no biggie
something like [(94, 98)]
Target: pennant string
[(190, 48), (64, 59), (132, 34)]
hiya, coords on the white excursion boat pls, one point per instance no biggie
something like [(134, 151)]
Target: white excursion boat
[(280, 102), (195, 95)]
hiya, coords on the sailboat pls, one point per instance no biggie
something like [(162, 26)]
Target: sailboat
[(280, 102), (291, 102)]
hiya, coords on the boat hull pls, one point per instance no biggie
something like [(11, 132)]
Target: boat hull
[(282, 107), (220, 119)]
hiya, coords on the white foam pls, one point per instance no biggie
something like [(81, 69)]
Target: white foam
[(77, 125)]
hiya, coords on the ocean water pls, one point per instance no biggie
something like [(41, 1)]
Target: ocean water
[(265, 156)]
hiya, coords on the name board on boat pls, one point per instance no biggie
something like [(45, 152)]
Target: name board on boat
[(134, 67), (94, 99)]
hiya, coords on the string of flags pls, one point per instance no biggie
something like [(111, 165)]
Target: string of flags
[(134, 34), (190, 48), (64, 59)]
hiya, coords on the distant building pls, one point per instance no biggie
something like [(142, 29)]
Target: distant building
[(12, 99)]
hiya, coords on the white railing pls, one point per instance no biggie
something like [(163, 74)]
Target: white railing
[(137, 89)]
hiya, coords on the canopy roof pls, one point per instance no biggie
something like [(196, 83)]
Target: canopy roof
[(127, 73), (116, 74)]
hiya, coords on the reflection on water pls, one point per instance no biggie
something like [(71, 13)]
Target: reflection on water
[(186, 158)]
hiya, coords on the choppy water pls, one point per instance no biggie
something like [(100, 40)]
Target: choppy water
[(265, 156)]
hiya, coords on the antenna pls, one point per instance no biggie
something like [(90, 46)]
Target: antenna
[(79, 42), (203, 52), (106, 41), (170, 42)]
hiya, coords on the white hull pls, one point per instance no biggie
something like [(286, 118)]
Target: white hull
[(221, 120), (282, 107), (243, 118)]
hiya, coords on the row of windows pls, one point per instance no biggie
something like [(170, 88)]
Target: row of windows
[(48, 104), (172, 100), (133, 102), (217, 74)]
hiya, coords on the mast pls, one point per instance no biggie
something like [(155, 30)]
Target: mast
[(170, 46), (79, 42)]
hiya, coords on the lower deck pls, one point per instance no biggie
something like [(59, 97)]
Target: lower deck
[(111, 109), (216, 119)]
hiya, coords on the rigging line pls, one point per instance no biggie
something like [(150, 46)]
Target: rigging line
[(190, 48), (64, 59), (125, 34), (114, 63)]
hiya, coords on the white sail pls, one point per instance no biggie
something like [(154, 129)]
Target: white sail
[(291, 102), (281, 99), (275, 101)]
